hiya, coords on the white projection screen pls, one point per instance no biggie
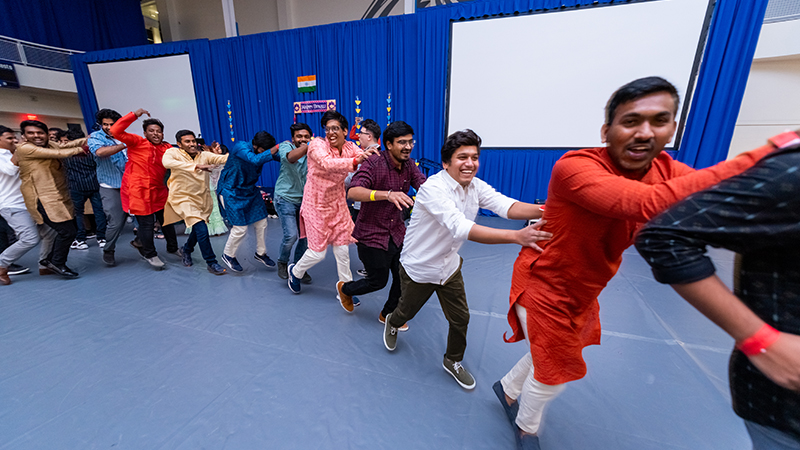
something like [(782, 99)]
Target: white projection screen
[(542, 80), (162, 85)]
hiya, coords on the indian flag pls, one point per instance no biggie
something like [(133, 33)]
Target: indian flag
[(307, 83)]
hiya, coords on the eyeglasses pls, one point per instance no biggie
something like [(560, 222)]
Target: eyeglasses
[(406, 143), (333, 129), (365, 132)]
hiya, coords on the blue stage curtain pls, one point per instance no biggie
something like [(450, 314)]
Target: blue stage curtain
[(200, 62), (85, 25), (722, 80), (259, 70), (409, 59)]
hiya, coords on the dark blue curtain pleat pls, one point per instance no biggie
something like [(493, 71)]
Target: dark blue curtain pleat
[(407, 56), (85, 25), (721, 82)]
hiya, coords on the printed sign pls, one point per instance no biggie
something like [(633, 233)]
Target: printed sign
[(313, 106)]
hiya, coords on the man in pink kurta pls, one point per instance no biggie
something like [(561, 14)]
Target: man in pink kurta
[(324, 217)]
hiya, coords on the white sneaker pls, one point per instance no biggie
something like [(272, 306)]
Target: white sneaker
[(101, 243), (78, 245), (156, 262)]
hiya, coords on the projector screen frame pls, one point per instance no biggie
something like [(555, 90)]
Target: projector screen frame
[(187, 54), (686, 101)]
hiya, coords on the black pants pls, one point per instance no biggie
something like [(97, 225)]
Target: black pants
[(378, 263), (145, 234), (65, 234)]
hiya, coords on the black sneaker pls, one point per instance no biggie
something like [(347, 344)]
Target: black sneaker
[(16, 269), (265, 259), (108, 258)]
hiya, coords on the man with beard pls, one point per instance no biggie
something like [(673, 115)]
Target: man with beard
[(143, 192), (44, 188), (597, 200), (381, 185)]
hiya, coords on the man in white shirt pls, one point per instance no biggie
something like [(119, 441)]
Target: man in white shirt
[(444, 217), (12, 206)]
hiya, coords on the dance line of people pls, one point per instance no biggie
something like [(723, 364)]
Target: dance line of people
[(598, 201)]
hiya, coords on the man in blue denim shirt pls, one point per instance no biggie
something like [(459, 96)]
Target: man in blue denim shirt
[(111, 157), (289, 195)]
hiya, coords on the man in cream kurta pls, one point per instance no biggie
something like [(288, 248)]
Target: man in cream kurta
[(189, 197)]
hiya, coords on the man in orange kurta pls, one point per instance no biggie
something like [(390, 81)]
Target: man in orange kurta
[(597, 199), (143, 192)]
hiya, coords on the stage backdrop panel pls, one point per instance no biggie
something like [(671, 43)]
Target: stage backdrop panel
[(162, 85), (541, 80)]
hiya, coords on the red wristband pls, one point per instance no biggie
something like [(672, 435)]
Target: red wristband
[(355, 163), (759, 341)]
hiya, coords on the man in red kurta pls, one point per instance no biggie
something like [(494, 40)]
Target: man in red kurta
[(597, 199), (143, 192)]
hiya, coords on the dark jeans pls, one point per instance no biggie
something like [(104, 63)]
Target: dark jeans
[(65, 234), (453, 299), (290, 222), (145, 234), (378, 263), (199, 235), (79, 201)]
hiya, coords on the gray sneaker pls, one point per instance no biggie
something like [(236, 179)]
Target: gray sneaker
[(459, 372), (389, 334), (156, 262)]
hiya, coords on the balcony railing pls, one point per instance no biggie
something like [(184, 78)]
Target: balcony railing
[(35, 55)]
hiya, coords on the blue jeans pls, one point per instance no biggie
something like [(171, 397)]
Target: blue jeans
[(290, 222), (199, 236), (78, 200), (768, 438)]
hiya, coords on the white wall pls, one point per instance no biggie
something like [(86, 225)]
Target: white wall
[(771, 102), (56, 109)]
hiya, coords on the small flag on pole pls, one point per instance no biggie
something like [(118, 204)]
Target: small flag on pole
[(307, 83)]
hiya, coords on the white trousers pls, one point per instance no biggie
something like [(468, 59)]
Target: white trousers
[(237, 234), (47, 238), (311, 258), (520, 385)]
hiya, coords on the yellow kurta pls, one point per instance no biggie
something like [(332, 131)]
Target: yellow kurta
[(43, 180), (189, 197)]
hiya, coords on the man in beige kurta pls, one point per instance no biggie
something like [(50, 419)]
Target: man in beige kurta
[(189, 197), (44, 188)]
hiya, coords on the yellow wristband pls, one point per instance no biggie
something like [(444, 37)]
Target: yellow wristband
[(372, 195)]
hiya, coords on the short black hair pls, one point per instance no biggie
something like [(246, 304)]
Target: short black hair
[(264, 140), (373, 128), (33, 123), (337, 116), (396, 129), (4, 129), (637, 89), (183, 133), (106, 113), (300, 126), (224, 149), (463, 138), (74, 133), (151, 121)]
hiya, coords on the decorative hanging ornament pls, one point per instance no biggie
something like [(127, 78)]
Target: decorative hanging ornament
[(230, 120)]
